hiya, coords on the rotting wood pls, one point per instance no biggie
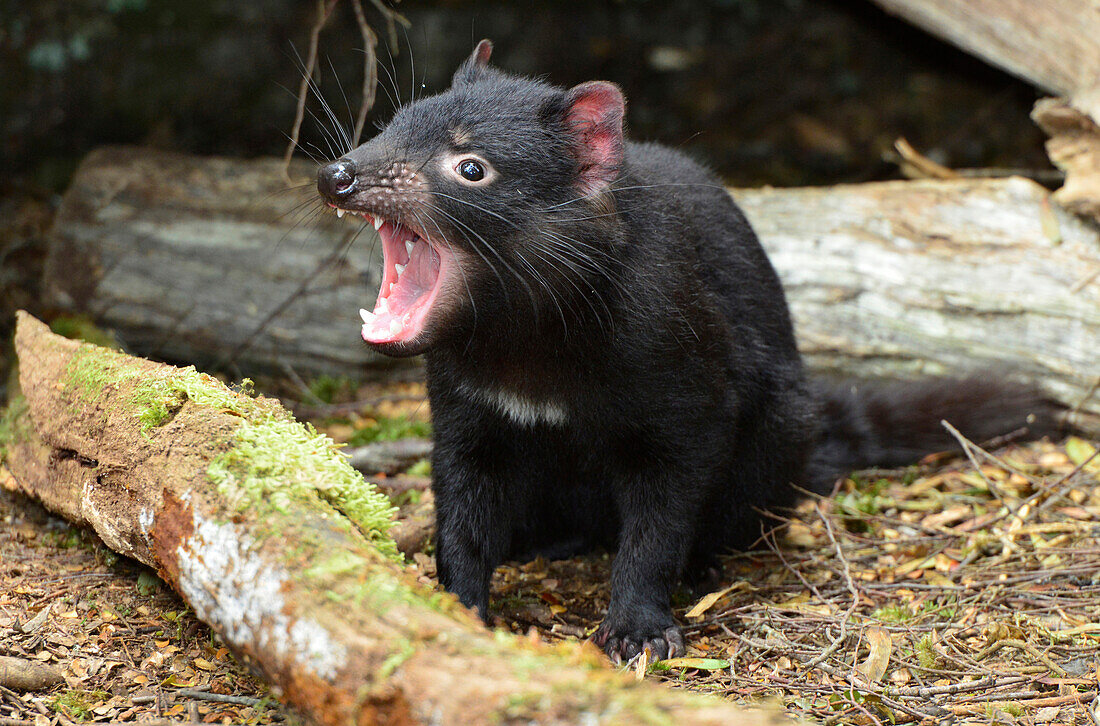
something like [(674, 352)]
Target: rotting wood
[(886, 279), (340, 629), (1074, 147)]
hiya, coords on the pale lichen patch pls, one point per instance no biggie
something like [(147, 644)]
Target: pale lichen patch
[(226, 582)]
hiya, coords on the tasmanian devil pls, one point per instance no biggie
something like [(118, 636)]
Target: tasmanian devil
[(609, 354)]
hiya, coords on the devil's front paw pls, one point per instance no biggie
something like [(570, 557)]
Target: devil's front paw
[(623, 640)]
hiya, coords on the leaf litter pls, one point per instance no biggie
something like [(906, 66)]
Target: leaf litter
[(942, 592), (966, 589)]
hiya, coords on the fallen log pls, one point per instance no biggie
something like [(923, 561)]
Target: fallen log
[(388, 457), (909, 279), (183, 258), (1074, 147), (278, 545), (20, 674)]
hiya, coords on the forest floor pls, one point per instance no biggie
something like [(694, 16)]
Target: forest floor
[(962, 589)]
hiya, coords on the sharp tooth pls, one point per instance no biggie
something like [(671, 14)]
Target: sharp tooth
[(395, 327), (409, 247), (383, 305), (399, 268), (377, 223), (339, 213), (366, 315)]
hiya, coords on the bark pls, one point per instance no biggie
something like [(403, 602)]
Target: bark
[(265, 555), (907, 279)]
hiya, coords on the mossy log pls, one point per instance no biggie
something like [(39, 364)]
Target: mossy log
[(252, 518)]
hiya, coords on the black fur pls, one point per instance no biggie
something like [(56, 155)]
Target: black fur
[(647, 331)]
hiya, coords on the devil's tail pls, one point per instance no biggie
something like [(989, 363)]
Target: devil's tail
[(864, 425)]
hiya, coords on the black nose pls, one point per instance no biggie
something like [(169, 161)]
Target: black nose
[(337, 180)]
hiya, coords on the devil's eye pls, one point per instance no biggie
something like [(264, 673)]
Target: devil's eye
[(471, 170)]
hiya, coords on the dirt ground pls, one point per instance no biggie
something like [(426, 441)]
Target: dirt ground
[(963, 589)]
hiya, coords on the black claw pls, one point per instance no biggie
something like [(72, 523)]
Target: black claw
[(621, 648)]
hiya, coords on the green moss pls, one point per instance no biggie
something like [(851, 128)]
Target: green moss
[(157, 392), (405, 651), (13, 425), (272, 460), (328, 389), (1012, 709), (893, 614), (337, 564), (81, 327), (926, 653), (390, 429), (77, 704), (420, 468), (380, 592), (275, 460)]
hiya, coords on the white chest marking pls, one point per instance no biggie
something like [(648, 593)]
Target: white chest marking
[(521, 410)]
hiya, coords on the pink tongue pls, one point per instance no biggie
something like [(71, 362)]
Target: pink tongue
[(415, 281), (405, 297)]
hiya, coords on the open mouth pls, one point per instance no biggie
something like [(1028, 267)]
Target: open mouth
[(412, 275)]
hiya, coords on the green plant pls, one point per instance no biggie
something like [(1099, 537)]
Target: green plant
[(390, 429)]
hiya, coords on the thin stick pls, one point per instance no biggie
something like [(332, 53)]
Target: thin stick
[(370, 70), (324, 12)]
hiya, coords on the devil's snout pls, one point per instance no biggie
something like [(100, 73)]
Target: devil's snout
[(336, 181)]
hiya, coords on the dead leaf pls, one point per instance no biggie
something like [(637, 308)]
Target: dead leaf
[(1081, 451), (702, 664), (880, 644), (1046, 714), (38, 620), (707, 602)]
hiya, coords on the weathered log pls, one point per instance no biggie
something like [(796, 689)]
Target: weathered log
[(1074, 147), (257, 523), (889, 279), (388, 457), (906, 279)]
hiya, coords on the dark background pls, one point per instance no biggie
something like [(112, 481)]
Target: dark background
[(781, 92), (778, 92)]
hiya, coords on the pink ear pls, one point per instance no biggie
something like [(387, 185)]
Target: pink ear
[(473, 66), (594, 114), (482, 52)]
